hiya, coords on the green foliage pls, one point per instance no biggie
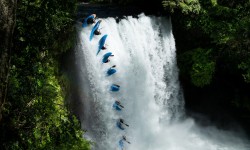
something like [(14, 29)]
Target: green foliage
[(36, 116), (222, 30), (245, 66), (226, 25), (43, 22), (203, 67), (199, 65), (214, 2), (186, 6), (171, 5), (39, 116)]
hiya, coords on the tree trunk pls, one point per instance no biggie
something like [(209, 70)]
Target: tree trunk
[(7, 24)]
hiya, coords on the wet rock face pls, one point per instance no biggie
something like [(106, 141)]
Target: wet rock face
[(117, 11), (7, 23), (107, 10)]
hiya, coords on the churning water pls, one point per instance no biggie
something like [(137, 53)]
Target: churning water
[(145, 59)]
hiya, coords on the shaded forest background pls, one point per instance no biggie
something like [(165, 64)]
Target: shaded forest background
[(213, 51), (212, 40), (34, 112)]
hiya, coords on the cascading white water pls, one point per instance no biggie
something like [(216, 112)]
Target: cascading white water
[(144, 53)]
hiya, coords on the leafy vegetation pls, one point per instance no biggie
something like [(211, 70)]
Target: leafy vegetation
[(224, 24), (186, 6), (213, 51), (35, 115), (202, 66)]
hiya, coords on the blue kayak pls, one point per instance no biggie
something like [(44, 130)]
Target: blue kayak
[(114, 88), (111, 71), (121, 144), (115, 106), (119, 125), (94, 29), (85, 24), (106, 56), (101, 43)]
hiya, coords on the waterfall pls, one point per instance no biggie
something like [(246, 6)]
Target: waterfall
[(145, 58)]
